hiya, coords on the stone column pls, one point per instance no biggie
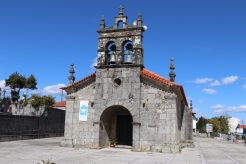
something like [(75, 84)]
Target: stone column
[(136, 136), (172, 142), (68, 132), (186, 129), (96, 130)]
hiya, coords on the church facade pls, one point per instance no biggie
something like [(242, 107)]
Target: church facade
[(123, 101)]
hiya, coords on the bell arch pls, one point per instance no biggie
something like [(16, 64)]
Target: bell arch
[(110, 51), (120, 24), (116, 124), (127, 50)]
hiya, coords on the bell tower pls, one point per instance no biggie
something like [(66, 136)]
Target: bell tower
[(121, 44)]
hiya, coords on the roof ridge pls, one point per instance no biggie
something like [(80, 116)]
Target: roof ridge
[(80, 81), (147, 73), (155, 76)]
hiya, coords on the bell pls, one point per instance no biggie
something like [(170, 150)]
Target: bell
[(112, 58), (128, 57)]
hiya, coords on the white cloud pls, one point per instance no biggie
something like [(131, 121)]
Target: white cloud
[(218, 106), (241, 108), (209, 91), (53, 89), (224, 81), (215, 83), (223, 109), (244, 86), (201, 101), (2, 85), (94, 63), (229, 80), (202, 80), (36, 91)]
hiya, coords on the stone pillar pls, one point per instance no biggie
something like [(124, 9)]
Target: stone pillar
[(69, 128), (172, 141), (96, 133), (136, 136), (186, 129)]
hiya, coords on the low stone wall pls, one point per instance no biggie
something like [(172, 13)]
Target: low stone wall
[(27, 110)]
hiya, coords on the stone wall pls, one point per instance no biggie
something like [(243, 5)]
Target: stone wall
[(119, 37), (159, 128), (79, 133), (127, 94), (186, 130), (158, 115), (27, 110)]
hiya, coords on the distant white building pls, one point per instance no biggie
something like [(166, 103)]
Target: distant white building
[(240, 129), (194, 121), (233, 123)]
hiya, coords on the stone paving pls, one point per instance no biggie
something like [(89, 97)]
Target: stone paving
[(33, 151)]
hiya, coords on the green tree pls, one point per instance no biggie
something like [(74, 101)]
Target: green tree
[(201, 124), (16, 82), (48, 101), (216, 125), (220, 124), (31, 82), (37, 101), (224, 124)]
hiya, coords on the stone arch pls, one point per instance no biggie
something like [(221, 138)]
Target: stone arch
[(120, 24), (116, 123), (110, 52), (127, 51)]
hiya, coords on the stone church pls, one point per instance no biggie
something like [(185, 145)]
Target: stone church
[(124, 101)]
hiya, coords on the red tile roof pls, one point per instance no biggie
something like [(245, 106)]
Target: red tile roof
[(60, 104), (243, 126), (80, 82), (144, 73), (153, 76)]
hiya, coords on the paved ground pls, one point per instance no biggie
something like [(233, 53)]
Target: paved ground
[(33, 151)]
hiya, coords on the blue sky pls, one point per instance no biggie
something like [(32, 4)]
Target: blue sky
[(206, 38)]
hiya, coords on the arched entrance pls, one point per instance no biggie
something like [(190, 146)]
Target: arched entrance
[(116, 123)]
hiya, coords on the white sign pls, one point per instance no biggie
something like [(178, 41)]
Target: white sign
[(239, 130), (209, 128), (83, 110)]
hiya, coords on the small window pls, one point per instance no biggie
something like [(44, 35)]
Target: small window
[(117, 82)]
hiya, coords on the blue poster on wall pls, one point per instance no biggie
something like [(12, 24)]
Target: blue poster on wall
[(83, 110)]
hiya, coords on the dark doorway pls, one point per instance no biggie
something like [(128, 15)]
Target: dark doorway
[(116, 124), (124, 130)]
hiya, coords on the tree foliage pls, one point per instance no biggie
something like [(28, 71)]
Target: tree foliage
[(31, 82), (216, 124), (48, 101), (17, 82), (37, 101), (220, 124), (201, 124)]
